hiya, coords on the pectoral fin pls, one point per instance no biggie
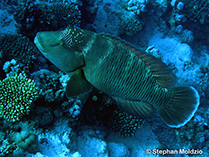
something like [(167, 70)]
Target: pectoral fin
[(136, 108), (78, 84)]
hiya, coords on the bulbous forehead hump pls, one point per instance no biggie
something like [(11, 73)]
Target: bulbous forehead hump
[(71, 37)]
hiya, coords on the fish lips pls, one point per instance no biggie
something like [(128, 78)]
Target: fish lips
[(37, 41)]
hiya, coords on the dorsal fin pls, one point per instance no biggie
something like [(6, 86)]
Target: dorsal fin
[(161, 72)]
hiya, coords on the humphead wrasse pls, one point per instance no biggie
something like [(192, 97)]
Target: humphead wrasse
[(137, 81)]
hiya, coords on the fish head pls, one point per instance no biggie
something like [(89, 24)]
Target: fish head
[(63, 48)]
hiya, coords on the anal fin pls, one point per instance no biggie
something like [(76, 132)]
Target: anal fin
[(77, 84), (136, 108)]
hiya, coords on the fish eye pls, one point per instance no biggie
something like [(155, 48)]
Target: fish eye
[(62, 42)]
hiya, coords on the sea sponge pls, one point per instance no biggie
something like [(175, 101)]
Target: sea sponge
[(16, 95)]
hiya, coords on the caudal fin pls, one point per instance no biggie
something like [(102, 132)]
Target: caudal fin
[(181, 108)]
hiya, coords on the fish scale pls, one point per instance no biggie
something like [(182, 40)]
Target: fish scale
[(136, 83)]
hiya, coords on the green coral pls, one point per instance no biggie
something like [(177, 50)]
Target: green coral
[(16, 95)]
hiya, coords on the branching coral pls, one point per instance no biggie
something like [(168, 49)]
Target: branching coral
[(16, 95)]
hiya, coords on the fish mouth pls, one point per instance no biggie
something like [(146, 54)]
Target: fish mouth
[(38, 44)]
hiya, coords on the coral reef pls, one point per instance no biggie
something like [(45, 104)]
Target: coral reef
[(204, 83), (118, 150), (18, 139), (32, 17), (24, 138), (89, 145), (179, 56), (195, 133), (56, 142), (130, 26), (137, 6), (193, 15), (42, 115), (111, 116), (12, 68), (75, 109), (17, 93), (124, 124), (124, 20), (137, 145), (7, 23), (20, 48), (6, 148), (196, 10), (50, 87)]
